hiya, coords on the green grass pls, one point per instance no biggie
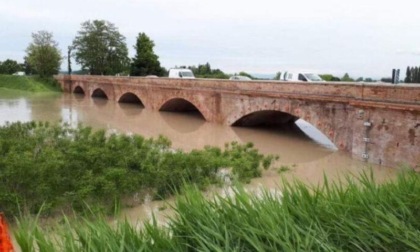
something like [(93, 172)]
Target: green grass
[(28, 83), (360, 216)]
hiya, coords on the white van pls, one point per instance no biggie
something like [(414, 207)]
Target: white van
[(300, 76), (181, 73)]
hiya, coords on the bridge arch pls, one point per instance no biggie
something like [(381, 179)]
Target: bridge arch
[(130, 97), (99, 93), (182, 105), (278, 117), (265, 118), (78, 90)]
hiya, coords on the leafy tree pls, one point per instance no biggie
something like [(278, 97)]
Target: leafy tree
[(43, 54), (100, 48), (359, 79), (277, 76), (329, 77), (346, 77), (9, 67), (408, 75), (146, 62), (205, 71), (247, 75), (386, 79)]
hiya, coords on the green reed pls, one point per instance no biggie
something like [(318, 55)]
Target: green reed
[(357, 215)]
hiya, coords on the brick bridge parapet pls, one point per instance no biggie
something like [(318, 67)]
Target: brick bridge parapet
[(377, 122)]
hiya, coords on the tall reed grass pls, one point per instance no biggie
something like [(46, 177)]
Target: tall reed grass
[(358, 215)]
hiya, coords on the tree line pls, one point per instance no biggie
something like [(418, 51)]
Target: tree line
[(412, 75), (99, 48)]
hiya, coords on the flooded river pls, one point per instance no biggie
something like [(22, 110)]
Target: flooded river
[(308, 155)]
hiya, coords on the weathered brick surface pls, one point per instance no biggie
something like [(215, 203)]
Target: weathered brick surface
[(339, 109)]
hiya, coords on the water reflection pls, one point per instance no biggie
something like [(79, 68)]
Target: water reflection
[(12, 110)]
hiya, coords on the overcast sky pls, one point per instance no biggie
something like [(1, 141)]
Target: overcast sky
[(362, 37)]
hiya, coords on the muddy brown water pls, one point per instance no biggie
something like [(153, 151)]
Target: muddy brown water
[(308, 155)]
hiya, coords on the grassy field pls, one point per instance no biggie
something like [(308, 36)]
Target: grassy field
[(360, 216), (28, 83)]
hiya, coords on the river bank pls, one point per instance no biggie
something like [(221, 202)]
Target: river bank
[(29, 83)]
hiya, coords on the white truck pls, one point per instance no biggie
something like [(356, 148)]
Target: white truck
[(300, 76), (181, 73)]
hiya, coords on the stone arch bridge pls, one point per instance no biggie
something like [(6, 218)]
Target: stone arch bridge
[(379, 123)]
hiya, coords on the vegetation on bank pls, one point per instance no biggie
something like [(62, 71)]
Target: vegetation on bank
[(358, 216), (57, 167), (29, 83)]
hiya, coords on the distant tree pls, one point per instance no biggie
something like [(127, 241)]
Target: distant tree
[(359, 79), (247, 75), (9, 67), (408, 75), (347, 78), (369, 80), (386, 79), (27, 67), (277, 76), (145, 62), (100, 48), (329, 77), (205, 71), (43, 54)]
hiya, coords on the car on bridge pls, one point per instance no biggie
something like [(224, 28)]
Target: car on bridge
[(300, 76), (181, 73), (240, 77)]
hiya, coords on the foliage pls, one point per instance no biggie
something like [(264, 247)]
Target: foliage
[(412, 75), (277, 76), (43, 54), (347, 78), (10, 66), (358, 215), (57, 167), (29, 83), (247, 75), (146, 62), (386, 79), (329, 77), (205, 71), (100, 48)]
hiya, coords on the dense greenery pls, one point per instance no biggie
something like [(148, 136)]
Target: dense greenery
[(28, 83), (412, 75), (10, 67), (145, 62), (43, 54), (358, 216), (205, 71), (56, 166), (100, 48)]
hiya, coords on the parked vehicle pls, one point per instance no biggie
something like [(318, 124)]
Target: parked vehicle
[(240, 77), (181, 73), (300, 76), (19, 74)]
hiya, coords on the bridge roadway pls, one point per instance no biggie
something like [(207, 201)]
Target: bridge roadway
[(379, 123)]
